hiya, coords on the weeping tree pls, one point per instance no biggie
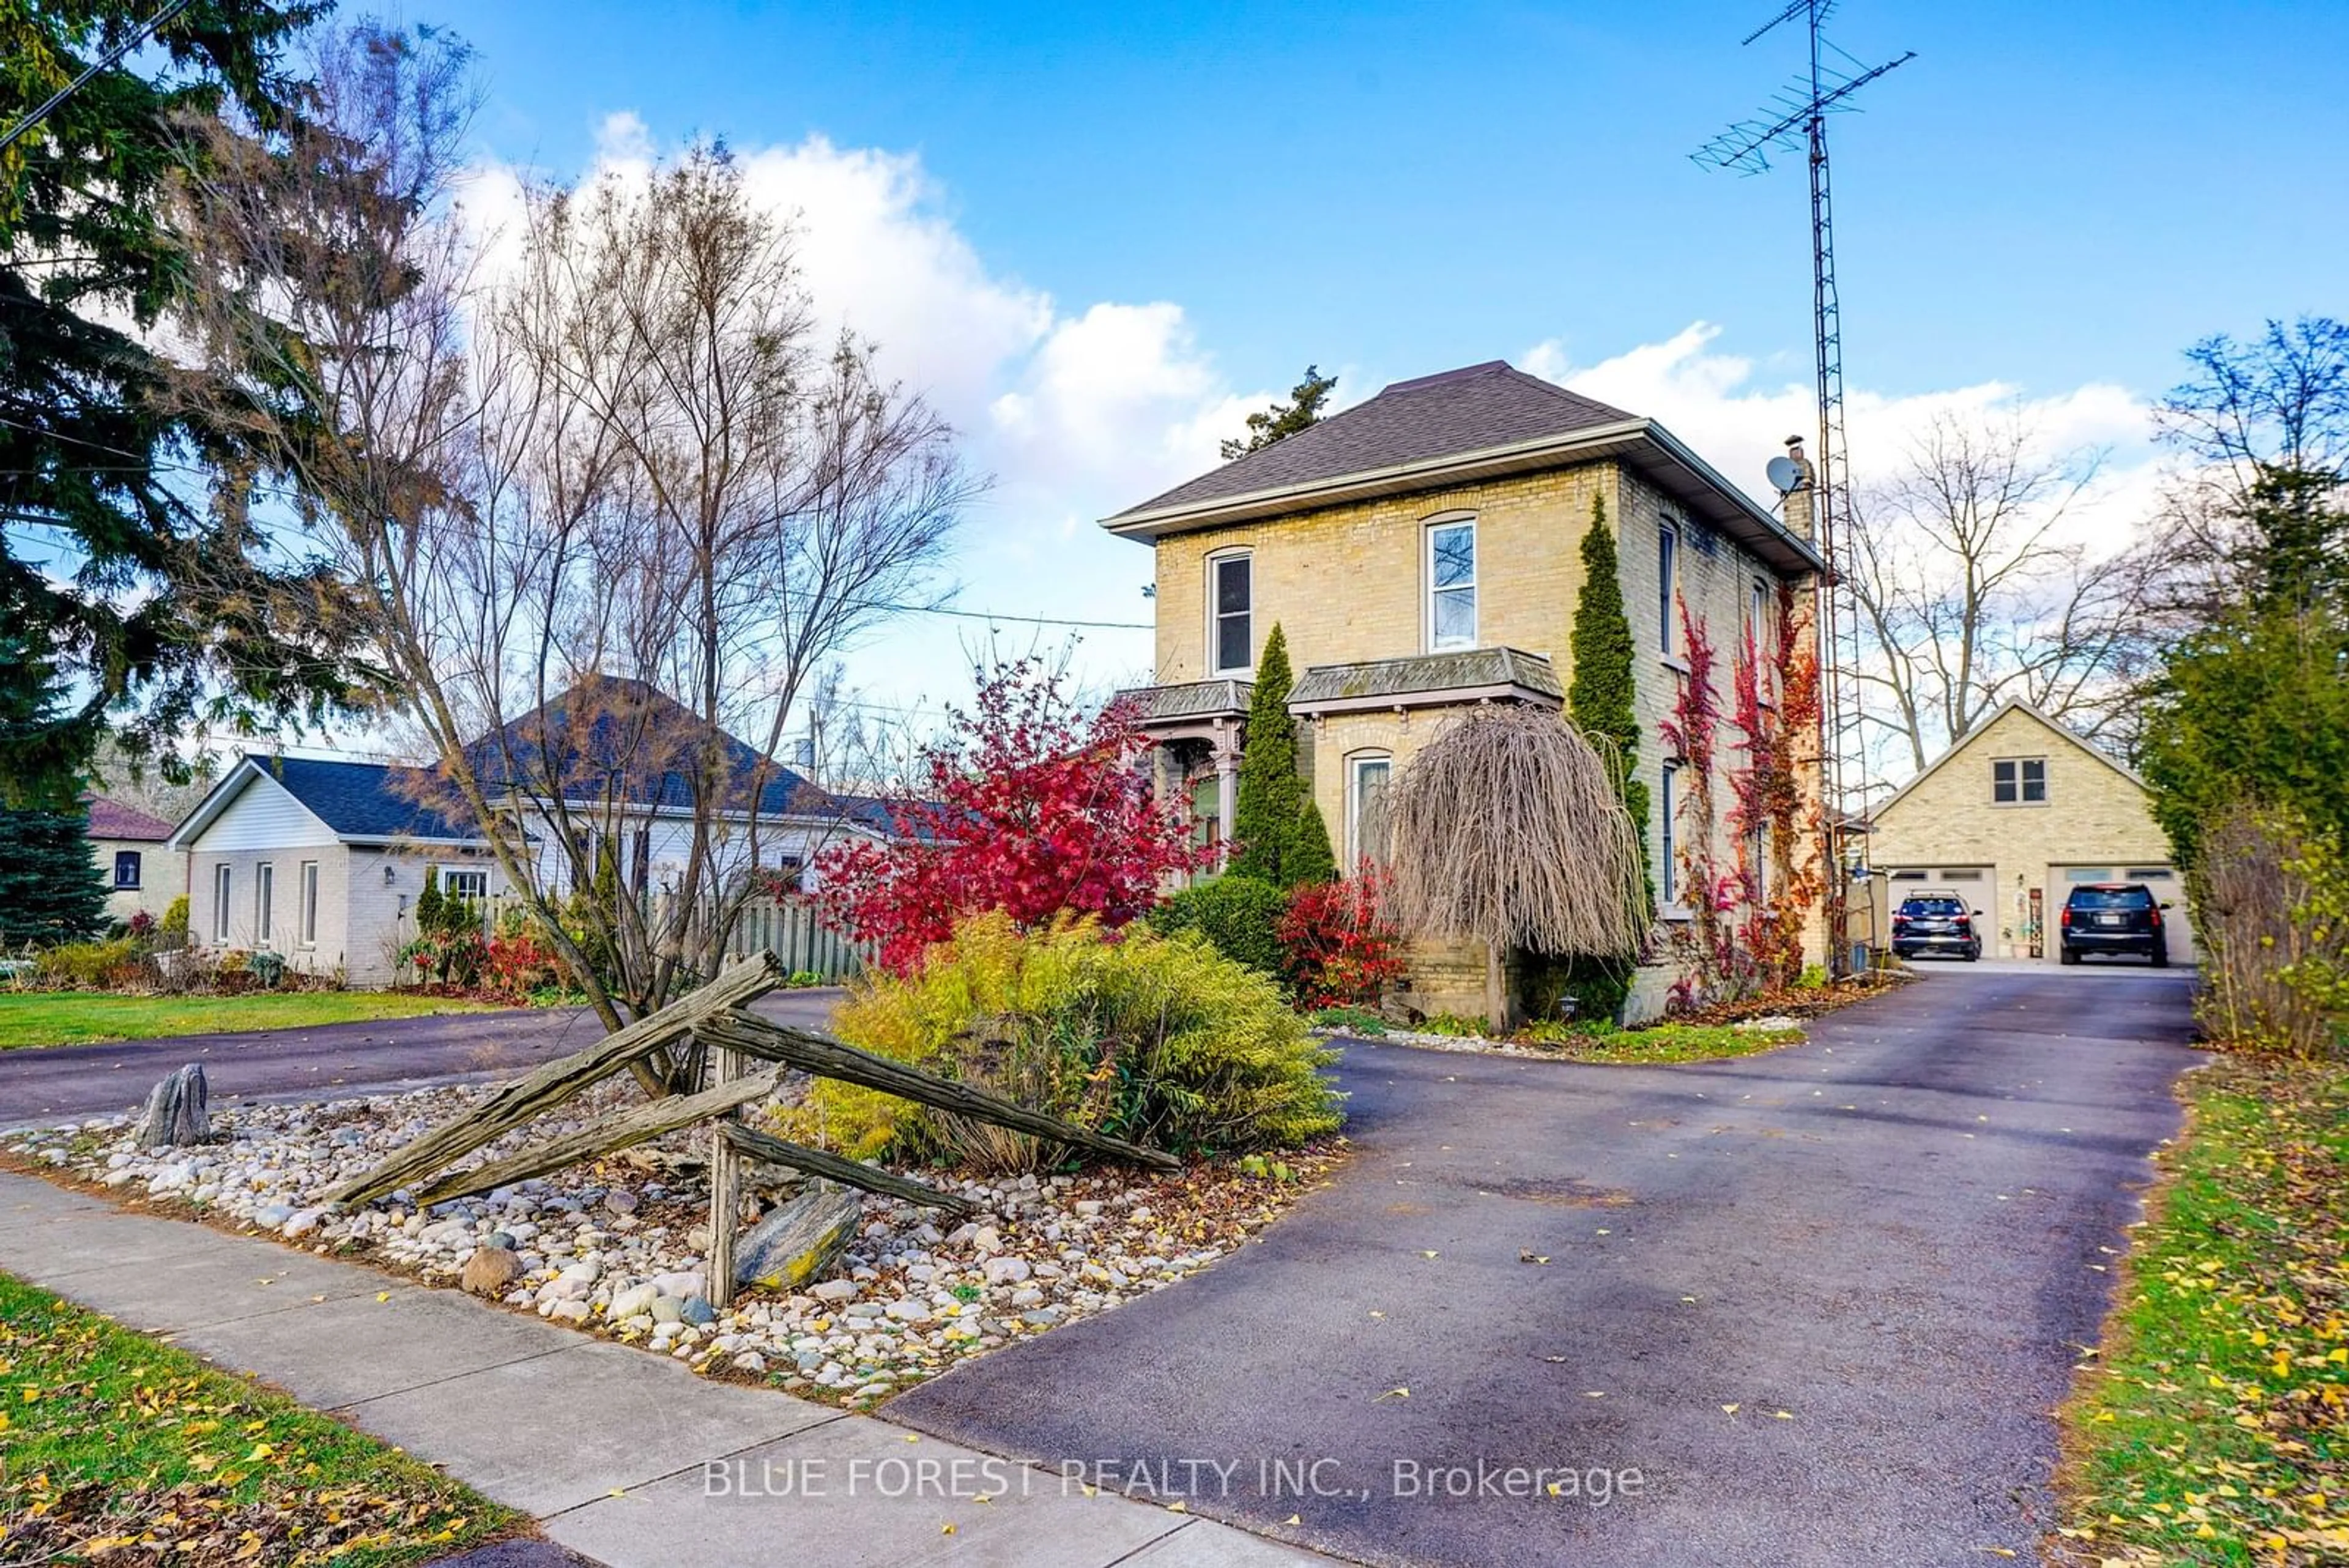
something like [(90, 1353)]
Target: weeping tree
[(1508, 829)]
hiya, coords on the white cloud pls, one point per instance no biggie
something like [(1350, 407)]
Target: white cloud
[(1738, 419)]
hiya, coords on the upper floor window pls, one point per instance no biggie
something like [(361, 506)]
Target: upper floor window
[(1668, 560), (126, 869), (1231, 597), (1452, 585), (2019, 781)]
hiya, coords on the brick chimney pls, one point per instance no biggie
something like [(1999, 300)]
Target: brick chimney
[(1800, 519)]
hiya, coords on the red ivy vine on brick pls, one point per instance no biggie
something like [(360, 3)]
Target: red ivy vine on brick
[(1746, 911), (1781, 748)]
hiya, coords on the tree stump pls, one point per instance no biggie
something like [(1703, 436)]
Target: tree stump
[(175, 1111)]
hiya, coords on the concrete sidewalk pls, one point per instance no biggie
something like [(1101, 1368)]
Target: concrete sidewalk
[(622, 1456)]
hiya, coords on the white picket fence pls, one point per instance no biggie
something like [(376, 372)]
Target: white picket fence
[(790, 929)]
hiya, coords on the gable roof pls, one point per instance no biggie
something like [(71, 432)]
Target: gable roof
[(608, 727), (112, 819), (1479, 421), (1967, 741), (360, 803)]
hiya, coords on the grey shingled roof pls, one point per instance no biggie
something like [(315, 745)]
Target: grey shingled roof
[(1192, 700), (1474, 409), (1466, 670)]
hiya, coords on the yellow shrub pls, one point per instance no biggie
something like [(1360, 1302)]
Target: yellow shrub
[(1155, 1039)]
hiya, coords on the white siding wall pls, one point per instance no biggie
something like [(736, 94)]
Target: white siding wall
[(264, 815), (672, 843)]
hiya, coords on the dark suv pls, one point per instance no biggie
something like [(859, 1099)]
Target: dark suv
[(1935, 923), (2114, 917)]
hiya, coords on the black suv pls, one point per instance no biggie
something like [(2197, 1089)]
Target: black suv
[(2114, 917), (1935, 923)]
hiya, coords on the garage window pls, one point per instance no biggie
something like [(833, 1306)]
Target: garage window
[(2019, 781), (2148, 874), (1971, 876)]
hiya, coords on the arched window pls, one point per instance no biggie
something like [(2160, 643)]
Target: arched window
[(1367, 774)]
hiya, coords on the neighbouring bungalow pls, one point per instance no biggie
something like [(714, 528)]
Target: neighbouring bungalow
[(2012, 817), (143, 875), (1422, 553), (324, 861)]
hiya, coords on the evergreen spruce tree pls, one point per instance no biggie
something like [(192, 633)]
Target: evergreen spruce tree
[(51, 890), (1282, 839), (429, 903), (1600, 697)]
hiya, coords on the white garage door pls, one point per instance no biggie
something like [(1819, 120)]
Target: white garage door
[(2165, 882)]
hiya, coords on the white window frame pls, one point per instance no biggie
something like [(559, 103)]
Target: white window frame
[(305, 931), (1217, 562), (264, 901), (2020, 780), (224, 888), (1668, 871), (472, 875), (1668, 560), (1356, 762), (1432, 527)]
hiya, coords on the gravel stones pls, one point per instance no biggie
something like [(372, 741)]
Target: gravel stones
[(899, 1303)]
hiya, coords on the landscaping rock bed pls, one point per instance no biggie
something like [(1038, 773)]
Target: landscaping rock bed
[(620, 1248)]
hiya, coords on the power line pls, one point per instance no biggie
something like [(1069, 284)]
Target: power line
[(104, 62)]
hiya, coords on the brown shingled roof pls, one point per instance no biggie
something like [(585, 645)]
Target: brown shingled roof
[(1473, 409), (112, 819)]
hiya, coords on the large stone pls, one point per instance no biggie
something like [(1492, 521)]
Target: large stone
[(490, 1270), (175, 1113), (1006, 1270), (798, 1241), (627, 1303)]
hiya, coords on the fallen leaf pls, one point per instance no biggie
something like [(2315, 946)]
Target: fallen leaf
[(1729, 1409), (1394, 1393)]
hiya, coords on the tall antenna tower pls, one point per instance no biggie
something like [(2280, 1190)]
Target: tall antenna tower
[(1795, 121)]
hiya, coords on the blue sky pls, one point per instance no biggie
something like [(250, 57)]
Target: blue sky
[(1119, 226)]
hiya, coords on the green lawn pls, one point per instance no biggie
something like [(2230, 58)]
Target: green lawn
[(114, 1442), (2216, 1427), (1671, 1042), (32, 1018)]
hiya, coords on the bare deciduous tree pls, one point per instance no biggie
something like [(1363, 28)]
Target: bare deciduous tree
[(1970, 593), (613, 506)]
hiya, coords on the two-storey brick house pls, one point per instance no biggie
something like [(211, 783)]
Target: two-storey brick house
[(1422, 552)]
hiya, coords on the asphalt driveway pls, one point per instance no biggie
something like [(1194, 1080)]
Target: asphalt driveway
[(1896, 1234), (62, 1081)]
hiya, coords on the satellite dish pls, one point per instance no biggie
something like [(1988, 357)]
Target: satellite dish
[(1785, 474)]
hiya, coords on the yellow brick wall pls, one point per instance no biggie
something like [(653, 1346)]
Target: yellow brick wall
[(1348, 583), (2093, 816)]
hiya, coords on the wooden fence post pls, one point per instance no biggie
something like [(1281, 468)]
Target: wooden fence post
[(725, 1191)]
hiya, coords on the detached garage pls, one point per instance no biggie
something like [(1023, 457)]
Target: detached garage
[(2016, 815)]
